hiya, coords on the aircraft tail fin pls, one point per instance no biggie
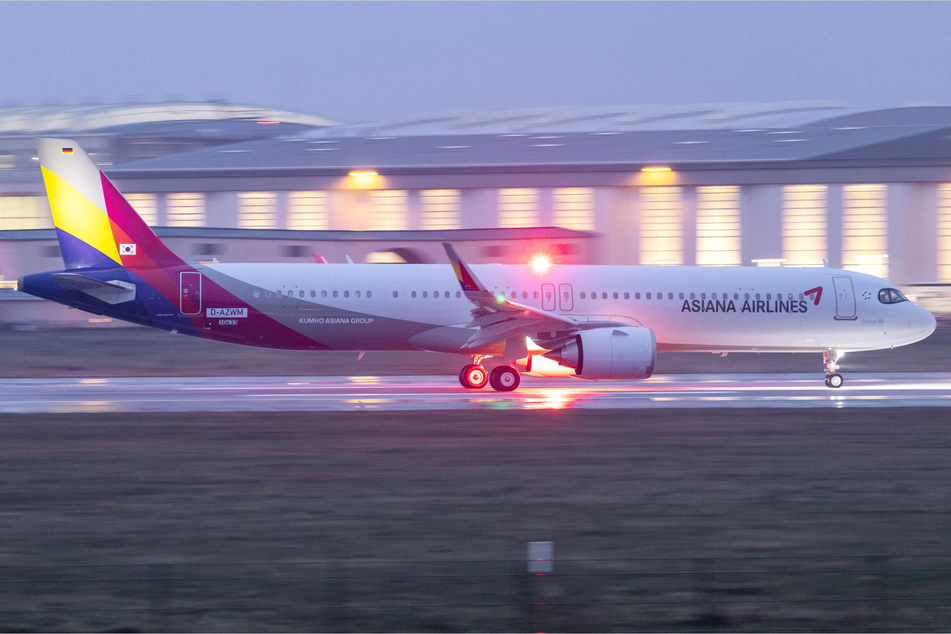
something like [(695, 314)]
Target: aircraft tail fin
[(95, 225)]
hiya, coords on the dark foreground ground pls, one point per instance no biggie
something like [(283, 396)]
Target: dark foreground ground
[(661, 520), (139, 351)]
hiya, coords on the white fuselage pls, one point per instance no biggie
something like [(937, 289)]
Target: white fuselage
[(722, 309)]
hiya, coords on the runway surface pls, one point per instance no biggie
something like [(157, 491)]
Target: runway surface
[(236, 394)]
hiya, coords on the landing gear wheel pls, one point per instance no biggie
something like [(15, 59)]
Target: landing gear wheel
[(504, 378), (473, 377), (834, 380), (830, 359)]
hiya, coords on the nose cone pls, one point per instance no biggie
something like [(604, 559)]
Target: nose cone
[(927, 321), (921, 323)]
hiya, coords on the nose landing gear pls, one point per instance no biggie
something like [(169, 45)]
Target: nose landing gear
[(833, 378)]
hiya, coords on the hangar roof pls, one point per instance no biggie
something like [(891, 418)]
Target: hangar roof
[(97, 117), (686, 136)]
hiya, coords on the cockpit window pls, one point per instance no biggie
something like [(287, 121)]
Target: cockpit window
[(891, 296)]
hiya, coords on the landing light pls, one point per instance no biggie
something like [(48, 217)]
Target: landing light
[(655, 168), (363, 173)]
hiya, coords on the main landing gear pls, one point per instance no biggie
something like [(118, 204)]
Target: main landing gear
[(503, 378), (833, 378)]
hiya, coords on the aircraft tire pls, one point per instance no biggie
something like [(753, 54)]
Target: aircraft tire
[(473, 377), (835, 380), (504, 378)]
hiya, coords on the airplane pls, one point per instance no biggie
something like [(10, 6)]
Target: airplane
[(590, 322)]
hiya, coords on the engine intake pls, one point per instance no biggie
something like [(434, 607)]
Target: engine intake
[(609, 353)]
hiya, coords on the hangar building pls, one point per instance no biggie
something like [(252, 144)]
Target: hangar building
[(791, 184)]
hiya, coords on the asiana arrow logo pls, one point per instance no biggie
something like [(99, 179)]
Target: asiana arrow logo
[(817, 291)]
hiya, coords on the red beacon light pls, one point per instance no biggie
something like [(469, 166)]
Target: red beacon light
[(540, 263)]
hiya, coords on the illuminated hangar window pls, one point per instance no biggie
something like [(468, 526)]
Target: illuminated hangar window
[(661, 226), (308, 211), (865, 229), (805, 241), (718, 226)]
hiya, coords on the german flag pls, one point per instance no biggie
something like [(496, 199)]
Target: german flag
[(67, 150)]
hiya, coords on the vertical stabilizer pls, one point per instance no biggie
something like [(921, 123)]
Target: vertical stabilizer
[(96, 226)]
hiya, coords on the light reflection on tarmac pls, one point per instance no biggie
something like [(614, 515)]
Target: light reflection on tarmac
[(235, 394)]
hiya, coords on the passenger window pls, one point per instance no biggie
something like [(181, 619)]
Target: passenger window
[(335, 293), (396, 294), (425, 294), (357, 293), (648, 296), (323, 294), (627, 295), (413, 294), (582, 294), (637, 295), (615, 295), (458, 294), (313, 293)]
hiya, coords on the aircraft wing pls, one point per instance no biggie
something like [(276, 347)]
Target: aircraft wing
[(498, 318)]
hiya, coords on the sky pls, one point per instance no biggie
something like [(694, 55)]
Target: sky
[(368, 61)]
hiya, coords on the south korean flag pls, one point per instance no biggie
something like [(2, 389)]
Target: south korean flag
[(126, 249)]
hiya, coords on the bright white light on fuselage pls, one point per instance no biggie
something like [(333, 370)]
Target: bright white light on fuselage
[(540, 263)]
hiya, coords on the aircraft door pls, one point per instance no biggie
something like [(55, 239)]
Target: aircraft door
[(844, 298), (548, 297), (565, 297), (190, 303)]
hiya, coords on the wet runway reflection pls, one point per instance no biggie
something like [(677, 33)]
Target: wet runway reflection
[(224, 394)]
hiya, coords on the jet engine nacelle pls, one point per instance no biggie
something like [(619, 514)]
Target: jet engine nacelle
[(609, 353)]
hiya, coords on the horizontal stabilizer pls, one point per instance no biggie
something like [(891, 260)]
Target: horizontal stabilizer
[(111, 292)]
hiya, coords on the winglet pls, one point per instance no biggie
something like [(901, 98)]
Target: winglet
[(467, 279)]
